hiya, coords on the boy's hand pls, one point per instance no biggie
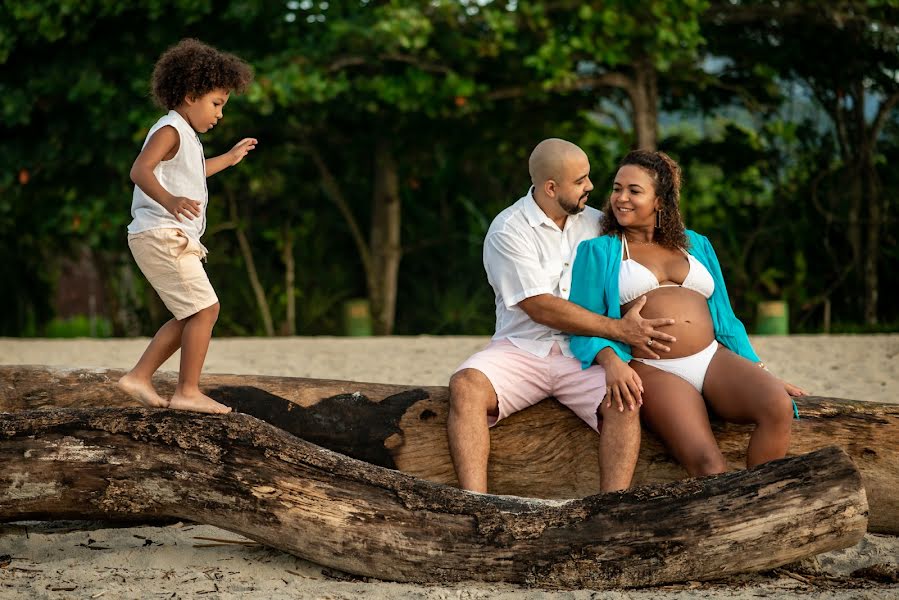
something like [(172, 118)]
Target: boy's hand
[(180, 206), (241, 149)]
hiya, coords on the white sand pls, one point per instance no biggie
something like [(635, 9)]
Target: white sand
[(857, 367), (83, 560)]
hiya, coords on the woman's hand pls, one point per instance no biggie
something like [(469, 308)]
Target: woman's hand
[(793, 390), (623, 385)]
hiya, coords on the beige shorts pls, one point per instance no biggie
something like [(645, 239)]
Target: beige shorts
[(172, 263)]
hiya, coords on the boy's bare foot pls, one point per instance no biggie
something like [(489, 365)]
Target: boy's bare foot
[(197, 402), (142, 391)]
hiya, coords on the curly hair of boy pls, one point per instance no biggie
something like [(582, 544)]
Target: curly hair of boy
[(190, 69)]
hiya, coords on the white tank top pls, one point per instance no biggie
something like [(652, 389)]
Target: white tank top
[(635, 279), (183, 175)]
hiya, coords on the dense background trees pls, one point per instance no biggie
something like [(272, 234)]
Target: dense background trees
[(391, 132)]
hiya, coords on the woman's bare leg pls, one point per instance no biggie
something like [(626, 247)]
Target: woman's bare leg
[(194, 344), (676, 412), (138, 382), (740, 392)]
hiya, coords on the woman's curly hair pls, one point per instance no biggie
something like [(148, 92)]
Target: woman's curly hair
[(666, 177), (190, 69)]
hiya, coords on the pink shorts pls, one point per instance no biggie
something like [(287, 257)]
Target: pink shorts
[(521, 379)]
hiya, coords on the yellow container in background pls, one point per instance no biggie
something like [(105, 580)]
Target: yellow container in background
[(773, 318), (357, 317)]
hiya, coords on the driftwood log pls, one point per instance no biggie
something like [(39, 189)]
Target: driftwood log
[(244, 475), (542, 452)]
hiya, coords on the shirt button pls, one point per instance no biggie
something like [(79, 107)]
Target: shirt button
[(564, 289), (566, 264)]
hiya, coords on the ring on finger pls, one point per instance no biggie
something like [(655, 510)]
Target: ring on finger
[(649, 343)]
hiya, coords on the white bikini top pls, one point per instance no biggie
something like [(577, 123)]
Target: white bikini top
[(634, 280)]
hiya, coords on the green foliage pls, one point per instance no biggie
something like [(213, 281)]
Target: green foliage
[(462, 90), (832, 169), (78, 326)]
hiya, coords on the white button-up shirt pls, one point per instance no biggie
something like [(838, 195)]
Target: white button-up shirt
[(526, 254)]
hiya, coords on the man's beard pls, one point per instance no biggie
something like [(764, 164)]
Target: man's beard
[(573, 208)]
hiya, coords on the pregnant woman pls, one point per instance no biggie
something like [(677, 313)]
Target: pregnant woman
[(644, 250)]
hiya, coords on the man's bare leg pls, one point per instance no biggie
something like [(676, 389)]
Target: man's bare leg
[(619, 446), (472, 398), (194, 345), (138, 382)]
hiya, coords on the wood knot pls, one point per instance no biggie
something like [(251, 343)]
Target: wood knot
[(394, 441)]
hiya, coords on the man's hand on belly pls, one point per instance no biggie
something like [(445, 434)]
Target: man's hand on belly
[(641, 335)]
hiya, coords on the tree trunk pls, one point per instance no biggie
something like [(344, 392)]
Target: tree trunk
[(644, 97), (111, 284), (238, 473), (385, 246), (877, 207), (858, 145), (247, 252), (126, 314), (874, 204), (544, 451), (290, 297)]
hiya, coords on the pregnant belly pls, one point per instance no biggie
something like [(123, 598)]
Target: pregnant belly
[(692, 321)]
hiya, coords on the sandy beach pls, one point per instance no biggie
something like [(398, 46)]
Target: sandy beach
[(186, 560)]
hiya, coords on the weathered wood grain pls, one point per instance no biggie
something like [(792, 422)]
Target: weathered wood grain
[(542, 452), (244, 475)]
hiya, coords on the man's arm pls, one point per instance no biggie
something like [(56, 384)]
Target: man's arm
[(515, 272), (632, 329), (624, 386)]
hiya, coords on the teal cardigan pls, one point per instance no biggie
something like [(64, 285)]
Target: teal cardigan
[(594, 285)]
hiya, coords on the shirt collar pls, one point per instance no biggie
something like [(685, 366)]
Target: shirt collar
[(181, 118), (178, 116), (535, 215)]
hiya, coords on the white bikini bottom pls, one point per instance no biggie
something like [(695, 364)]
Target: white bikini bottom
[(691, 369)]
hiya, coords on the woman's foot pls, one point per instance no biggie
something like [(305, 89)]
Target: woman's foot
[(141, 390), (197, 402)]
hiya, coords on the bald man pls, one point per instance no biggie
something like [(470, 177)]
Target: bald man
[(528, 253)]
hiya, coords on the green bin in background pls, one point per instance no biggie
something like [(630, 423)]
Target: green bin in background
[(773, 318), (357, 317)]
